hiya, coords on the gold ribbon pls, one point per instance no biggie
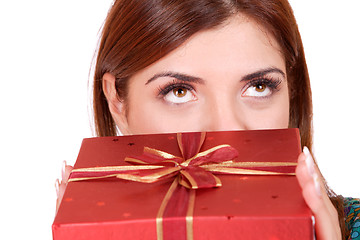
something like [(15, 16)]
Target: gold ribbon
[(189, 173)]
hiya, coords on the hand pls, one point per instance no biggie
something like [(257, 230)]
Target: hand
[(60, 186), (326, 217)]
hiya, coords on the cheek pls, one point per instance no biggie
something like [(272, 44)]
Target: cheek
[(150, 117), (274, 116), (280, 111), (269, 119), (156, 121), (278, 115), (143, 119)]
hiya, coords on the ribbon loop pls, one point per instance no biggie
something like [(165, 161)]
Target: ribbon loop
[(190, 143), (195, 177), (195, 169), (218, 154)]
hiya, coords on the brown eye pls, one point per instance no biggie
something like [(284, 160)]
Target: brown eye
[(179, 92), (260, 87)]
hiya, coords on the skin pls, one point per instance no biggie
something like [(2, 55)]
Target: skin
[(221, 99), (213, 87)]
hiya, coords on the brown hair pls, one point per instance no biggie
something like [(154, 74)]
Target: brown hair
[(137, 33)]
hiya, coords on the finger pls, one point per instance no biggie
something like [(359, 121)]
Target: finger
[(65, 172), (302, 172), (326, 218), (314, 193), (57, 188), (61, 186), (61, 191)]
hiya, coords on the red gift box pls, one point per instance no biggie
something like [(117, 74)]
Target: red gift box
[(244, 207)]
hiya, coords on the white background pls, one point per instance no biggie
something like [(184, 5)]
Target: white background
[(46, 49)]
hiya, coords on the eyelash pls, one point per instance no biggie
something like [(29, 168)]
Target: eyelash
[(163, 91), (270, 82)]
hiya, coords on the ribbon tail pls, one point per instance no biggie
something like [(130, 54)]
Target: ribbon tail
[(160, 215), (174, 220), (189, 215)]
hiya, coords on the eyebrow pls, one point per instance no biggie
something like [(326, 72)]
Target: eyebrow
[(262, 73), (189, 78), (179, 76)]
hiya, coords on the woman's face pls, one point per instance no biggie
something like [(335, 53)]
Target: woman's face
[(229, 78)]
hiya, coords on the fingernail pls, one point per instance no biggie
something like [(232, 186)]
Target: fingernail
[(309, 161), (311, 169), (57, 187), (63, 170)]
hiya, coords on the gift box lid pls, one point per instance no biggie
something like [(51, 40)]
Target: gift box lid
[(268, 206)]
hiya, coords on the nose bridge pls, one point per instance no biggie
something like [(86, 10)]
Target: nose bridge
[(225, 115)]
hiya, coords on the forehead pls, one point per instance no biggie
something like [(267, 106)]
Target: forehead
[(240, 44)]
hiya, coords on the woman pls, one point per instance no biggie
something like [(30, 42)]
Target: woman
[(201, 65)]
